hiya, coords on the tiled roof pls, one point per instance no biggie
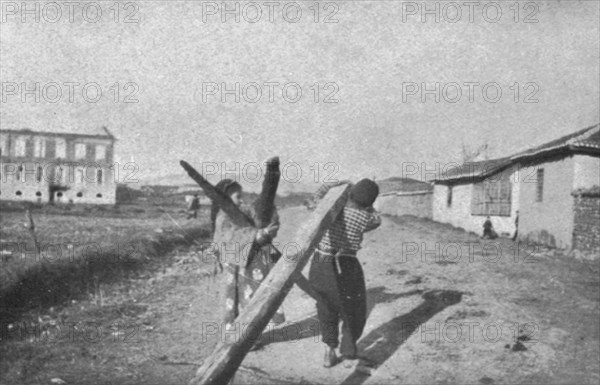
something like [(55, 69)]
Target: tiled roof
[(472, 170), (586, 140)]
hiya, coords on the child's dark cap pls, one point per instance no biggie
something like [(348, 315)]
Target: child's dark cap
[(364, 192)]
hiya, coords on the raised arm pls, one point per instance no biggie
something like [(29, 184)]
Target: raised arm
[(374, 220)]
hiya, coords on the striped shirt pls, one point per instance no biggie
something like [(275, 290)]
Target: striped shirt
[(346, 234)]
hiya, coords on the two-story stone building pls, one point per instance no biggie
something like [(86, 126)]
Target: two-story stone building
[(57, 166)]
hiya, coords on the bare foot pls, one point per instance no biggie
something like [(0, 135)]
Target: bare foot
[(330, 358)]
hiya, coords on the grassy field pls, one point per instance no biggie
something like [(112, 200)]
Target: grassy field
[(82, 248)]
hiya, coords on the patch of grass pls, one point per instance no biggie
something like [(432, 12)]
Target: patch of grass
[(80, 253)]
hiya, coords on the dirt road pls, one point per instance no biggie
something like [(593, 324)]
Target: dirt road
[(444, 308)]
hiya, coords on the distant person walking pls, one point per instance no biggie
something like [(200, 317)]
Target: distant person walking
[(193, 207)]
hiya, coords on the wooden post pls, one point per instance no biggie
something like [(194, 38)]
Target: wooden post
[(31, 229), (220, 367), (264, 206)]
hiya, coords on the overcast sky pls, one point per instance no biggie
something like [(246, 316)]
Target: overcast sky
[(367, 61)]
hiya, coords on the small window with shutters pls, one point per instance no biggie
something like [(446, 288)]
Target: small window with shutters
[(100, 152), (4, 144), (39, 147), (539, 188), (39, 172), (80, 150), (492, 196), (20, 146), (60, 148)]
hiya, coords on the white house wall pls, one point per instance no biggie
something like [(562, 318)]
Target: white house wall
[(551, 220), (459, 214)]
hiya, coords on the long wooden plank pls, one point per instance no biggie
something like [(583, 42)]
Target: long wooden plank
[(220, 367), (264, 205), (222, 199)]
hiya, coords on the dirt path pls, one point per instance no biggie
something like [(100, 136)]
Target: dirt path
[(437, 317), (527, 317)]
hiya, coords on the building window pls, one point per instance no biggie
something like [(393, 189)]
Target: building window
[(80, 175), (60, 148), (492, 197), (3, 144), (39, 147), (20, 146), (80, 150), (100, 152), (449, 197), (79, 194), (20, 173), (38, 173), (539, 190)]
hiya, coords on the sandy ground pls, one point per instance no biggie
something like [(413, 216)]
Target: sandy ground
[(493, 314)]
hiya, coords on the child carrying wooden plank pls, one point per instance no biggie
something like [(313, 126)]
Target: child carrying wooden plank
[(336, 273), (244, 271)]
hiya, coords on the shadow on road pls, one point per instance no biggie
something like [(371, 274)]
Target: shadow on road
[(309, 327), (380, 344)]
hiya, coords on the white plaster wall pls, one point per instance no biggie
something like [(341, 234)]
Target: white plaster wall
[(551, 220), (459, 213)]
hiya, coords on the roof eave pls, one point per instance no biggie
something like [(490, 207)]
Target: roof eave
[(567, 149), (45, 133)]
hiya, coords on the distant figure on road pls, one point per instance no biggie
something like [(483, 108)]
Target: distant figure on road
[(193, 207), (516, 226), (488, 229)]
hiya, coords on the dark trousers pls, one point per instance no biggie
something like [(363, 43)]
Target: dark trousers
[(342, 284)]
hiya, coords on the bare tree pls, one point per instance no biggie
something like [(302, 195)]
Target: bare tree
[(469, 154)]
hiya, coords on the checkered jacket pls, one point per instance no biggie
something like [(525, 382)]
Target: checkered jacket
[(346, 234)]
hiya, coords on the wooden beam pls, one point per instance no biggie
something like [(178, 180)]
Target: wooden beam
[(31, 229), (264, 205), (222, 199), (221, 366)]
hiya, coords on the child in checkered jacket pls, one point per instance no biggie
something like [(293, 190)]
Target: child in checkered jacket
[(337, 275)]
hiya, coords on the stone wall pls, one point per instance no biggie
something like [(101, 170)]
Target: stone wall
[(586, 232)]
